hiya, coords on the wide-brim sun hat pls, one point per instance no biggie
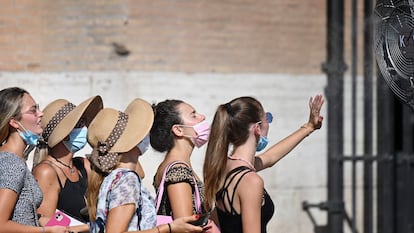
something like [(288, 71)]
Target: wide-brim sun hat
[(61, 116), (113, 132), (140, 118)]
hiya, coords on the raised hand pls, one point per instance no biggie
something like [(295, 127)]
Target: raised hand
[(315, 105)]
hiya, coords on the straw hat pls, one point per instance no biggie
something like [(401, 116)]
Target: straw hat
[(60, 117), (112, 132)]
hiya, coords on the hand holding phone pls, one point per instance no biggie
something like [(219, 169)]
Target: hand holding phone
[(58, 219), (202, 220)]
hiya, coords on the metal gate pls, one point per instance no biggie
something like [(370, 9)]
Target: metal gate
[(388, 190)]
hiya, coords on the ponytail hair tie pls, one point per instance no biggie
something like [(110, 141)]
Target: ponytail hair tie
[(228, 108)]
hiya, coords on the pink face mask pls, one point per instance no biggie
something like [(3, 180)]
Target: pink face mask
[(202, 130)]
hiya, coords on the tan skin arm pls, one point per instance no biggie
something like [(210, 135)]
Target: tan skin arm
[(46, 177), (250, 193), (119, 218), (181, 199), (283, 147), (179, 225), (8, 200)]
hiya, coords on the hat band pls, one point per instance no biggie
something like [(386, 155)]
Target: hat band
[(101, 157), (56, 119), (117, 130)]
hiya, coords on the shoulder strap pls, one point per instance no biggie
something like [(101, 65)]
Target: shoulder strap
[(231, 176), (160, 191), (245, 171)]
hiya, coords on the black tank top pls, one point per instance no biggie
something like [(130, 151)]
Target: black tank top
[(230, 220), (71, 197)]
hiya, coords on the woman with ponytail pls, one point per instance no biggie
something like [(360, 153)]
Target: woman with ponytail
[(232, 185)]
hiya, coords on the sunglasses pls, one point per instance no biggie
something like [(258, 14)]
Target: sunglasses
[(269, 118)]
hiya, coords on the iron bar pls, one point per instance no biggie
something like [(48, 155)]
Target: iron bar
[(386, 168), (354, 73), (368, 115), (335, 67)]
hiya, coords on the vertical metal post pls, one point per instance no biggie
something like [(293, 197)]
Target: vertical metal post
[(354, 74), (405, 173), (386, 218), (335, 67), (368, 115)]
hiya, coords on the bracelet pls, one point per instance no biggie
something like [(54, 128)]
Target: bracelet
[(158, 229), (43, 230), (169, 226), (305, 126)]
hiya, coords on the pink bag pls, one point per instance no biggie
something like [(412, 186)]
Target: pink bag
[(164, 219)]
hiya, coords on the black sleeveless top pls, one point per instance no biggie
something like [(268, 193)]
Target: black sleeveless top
[(71, 197), (230, 220)]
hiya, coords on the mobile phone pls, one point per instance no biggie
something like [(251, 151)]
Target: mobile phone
[(202, 220), (59, 219)]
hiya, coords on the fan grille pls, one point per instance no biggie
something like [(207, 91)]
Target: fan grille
[(394, 46)]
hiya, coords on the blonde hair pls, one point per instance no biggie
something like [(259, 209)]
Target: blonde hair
[(10, 107), (95, 179)]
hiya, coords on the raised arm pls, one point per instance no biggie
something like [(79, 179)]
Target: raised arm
[(283, 147)]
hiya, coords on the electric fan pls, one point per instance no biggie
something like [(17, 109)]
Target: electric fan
[(394, 46)]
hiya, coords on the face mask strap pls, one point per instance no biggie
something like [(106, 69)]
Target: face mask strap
[(25, 131), (187, 126)]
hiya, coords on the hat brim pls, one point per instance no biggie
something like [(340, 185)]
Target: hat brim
[(87, 109), (140, 119)]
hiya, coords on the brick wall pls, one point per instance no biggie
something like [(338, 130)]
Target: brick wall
[(268, 36)]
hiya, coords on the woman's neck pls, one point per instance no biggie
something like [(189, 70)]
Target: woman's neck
[(243, 154), (181, 151), (128, 160), (60, 152), (15, 145)]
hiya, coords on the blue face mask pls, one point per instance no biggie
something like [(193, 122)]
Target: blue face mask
[(144, 144), (28, 136), (77, 139), (262, 143)]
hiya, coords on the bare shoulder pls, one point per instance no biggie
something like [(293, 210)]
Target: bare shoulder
[(44, 171), (250, 188), (252, 180)]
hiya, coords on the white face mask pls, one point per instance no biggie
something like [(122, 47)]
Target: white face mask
[(144, 144)]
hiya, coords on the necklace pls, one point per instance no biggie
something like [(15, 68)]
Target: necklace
[(71, 168), (241, 159)]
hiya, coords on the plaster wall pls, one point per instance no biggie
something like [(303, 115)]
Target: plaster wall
[(298, 177)]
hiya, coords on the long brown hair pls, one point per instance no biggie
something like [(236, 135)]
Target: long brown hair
[(230, 127)]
